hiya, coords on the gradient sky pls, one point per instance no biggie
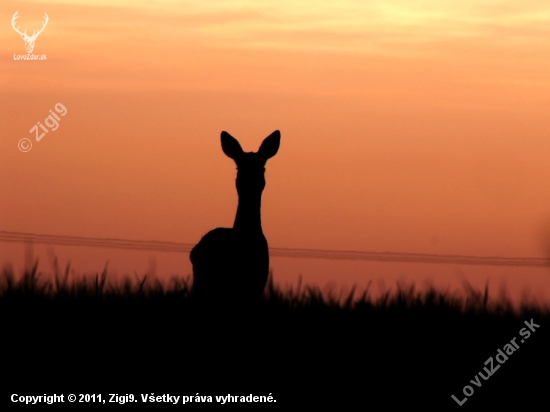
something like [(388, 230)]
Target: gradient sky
[(406, 126)]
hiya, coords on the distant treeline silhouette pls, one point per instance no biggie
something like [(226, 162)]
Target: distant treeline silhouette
[(162, 246)]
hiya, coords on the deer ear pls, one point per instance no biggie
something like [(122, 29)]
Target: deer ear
[(270, 145), (231, 146)]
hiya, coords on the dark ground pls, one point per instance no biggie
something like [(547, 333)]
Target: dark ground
[(411, 351)]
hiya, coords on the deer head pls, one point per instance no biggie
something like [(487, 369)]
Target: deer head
[(29, 40), (250, 166)]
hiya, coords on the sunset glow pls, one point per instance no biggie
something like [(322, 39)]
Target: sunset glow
[(413, 127)]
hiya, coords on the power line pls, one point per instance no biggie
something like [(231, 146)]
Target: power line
[(95, 242), (162, 246)]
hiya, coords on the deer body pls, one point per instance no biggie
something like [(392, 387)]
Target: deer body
[(234, 262)]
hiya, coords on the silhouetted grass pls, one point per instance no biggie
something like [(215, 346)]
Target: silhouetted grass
[(62, 286), (403, 348)]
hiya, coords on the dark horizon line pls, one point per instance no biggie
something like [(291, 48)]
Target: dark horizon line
[(163, 246)]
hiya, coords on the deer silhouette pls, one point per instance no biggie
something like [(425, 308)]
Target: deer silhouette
[(233, 262)]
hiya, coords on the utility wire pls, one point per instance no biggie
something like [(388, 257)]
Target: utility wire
[(160, 246)]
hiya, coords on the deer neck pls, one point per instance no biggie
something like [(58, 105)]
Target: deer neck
[(248, 219)]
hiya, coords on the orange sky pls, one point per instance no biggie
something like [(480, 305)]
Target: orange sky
[(405, 127)]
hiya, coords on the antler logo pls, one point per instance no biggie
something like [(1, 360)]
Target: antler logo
[(29, 40)]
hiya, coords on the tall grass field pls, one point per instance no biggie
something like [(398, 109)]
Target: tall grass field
[(407, 349)]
